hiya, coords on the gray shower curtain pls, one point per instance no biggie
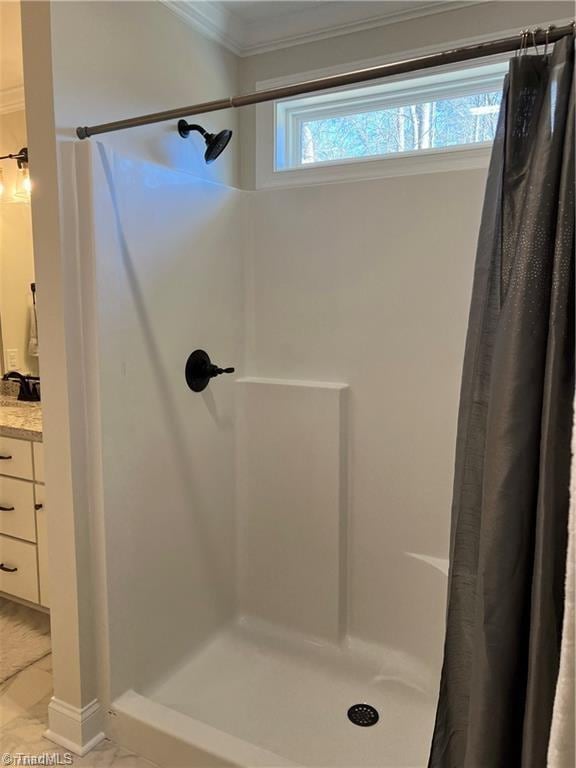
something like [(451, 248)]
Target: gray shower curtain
[(510, 503)]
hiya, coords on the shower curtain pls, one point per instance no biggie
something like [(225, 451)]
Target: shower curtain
[(562, 746), (510, 502)]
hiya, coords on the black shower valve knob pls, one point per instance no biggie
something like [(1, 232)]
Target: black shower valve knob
[(200, 369), (215, 371)]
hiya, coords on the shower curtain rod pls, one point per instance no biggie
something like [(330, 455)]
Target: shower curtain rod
[(520, 41)]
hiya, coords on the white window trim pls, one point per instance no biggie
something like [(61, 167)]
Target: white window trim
[(296, 111), (360, 169), (268, 175), (405, 164)]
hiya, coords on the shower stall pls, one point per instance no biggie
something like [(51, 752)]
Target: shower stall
[(274, 540), (275, 546)]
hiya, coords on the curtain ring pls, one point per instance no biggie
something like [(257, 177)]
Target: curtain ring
[(534, 30), (518, 50)]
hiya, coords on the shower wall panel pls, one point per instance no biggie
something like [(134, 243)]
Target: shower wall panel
[(169, 279), (319, 517), (369, 283)]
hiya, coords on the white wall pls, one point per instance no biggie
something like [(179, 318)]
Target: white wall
[(16, 250), (369, 283), (366, 283), (168, 276), (121, 59), (437, 31)]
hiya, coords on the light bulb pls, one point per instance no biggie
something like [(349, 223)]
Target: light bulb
[(23, 185)]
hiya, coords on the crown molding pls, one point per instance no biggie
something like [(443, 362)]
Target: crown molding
[(337, 29), (11, 99), (212, 20), (227, 28)]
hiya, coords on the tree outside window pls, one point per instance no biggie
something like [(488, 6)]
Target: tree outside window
[(448, 122)]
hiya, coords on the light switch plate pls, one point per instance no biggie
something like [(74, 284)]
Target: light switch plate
[(12, 360)]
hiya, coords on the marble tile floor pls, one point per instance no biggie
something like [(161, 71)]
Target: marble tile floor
[(24, 701)]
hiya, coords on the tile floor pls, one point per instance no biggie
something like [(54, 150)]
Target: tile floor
[(23, 715)]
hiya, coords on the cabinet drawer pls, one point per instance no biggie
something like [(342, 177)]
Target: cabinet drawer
[(15, 457), (38, 462), (17, 516), (42, 528), (23, 582)]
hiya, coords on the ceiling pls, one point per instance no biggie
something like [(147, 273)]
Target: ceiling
[(11, 72), (248, 27), (256, 10)]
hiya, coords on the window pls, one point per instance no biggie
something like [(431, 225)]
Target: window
[(428, 114)]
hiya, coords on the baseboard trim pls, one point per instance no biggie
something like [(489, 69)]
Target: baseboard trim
[(76, 729)]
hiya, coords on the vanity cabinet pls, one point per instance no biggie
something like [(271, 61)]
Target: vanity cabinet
[(23, 545), (21, 557)]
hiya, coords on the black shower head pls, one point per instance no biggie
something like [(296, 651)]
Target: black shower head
[(216, 143)]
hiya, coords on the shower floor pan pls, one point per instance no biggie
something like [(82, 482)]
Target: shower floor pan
[(255, 697)]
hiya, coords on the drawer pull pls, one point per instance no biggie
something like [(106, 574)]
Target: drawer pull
[(7, 568), (7, 509), (38, 506), (5, 458)]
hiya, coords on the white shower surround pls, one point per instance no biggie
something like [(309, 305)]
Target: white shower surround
[(332, 289)]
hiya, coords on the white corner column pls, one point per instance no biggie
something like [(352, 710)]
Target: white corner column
[(75, 716)]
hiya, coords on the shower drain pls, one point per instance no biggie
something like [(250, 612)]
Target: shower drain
[(363, 715)]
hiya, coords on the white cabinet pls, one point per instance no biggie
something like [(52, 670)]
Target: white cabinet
[(19, 568), (23, 538), (16, 458), (17, 515)]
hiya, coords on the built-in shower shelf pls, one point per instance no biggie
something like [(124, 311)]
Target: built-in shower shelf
[(291, 475)]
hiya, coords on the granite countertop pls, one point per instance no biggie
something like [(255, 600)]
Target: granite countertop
[(18, 419)]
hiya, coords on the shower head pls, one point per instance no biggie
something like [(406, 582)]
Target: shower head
[(216, 143)]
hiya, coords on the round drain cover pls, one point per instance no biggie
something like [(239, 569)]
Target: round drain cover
[(363, 715)]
